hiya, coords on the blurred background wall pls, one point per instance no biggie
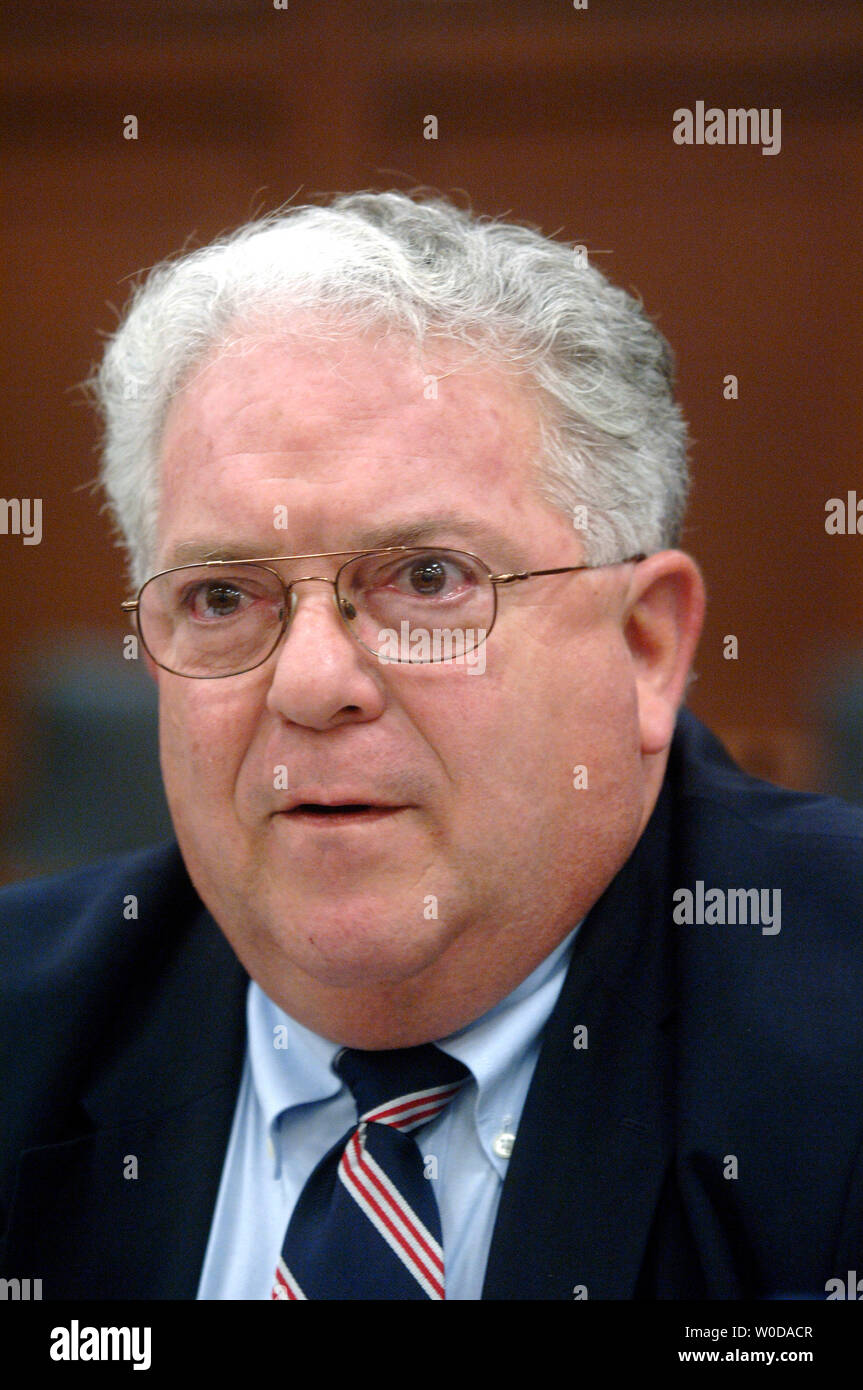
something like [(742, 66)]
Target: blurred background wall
[(551, 113)]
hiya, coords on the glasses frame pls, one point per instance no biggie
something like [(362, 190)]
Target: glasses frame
[(132, 605)]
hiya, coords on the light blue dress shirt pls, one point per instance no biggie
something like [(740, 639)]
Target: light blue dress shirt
[(291, 1108)]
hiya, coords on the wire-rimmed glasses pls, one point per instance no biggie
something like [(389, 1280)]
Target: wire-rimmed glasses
[(406, 604)]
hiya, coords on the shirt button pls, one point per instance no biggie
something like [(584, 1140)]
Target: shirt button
[(503, 1143)]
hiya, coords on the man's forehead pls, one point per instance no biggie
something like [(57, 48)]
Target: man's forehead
[(421, 461), (310, 389)]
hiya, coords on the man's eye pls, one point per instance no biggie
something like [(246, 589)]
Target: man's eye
[(213, 601), (427, 576)]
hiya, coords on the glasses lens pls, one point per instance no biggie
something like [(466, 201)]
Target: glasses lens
[(419, 606), (214, 620)]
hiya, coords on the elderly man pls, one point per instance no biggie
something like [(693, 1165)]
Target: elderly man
[(477, 969)]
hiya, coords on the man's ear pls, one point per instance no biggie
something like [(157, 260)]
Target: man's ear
[(662, 624)]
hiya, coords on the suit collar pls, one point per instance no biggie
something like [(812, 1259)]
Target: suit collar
[(122, 1209), (594, 1138), (193, 1001)]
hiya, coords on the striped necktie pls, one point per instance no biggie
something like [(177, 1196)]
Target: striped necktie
[(366, 1224)]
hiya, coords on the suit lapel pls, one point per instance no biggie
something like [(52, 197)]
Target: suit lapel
[(594, 1140), (123, 1209), (123, 1213)]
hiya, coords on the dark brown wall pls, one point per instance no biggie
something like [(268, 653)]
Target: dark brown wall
[(561, 117)]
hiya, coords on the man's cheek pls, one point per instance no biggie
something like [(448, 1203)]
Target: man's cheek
[(194, 749)]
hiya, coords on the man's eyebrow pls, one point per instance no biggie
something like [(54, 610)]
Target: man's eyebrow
[(197, 552), (377, 538), (432, 529)]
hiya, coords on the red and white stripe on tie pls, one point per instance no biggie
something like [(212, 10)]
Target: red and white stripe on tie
[(285, 1286), (391, 1216), (415, 1109), (380, 1199)]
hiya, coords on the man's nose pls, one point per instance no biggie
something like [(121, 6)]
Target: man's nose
[(322, 676)]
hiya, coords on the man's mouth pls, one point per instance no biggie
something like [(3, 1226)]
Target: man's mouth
[(339, 812)]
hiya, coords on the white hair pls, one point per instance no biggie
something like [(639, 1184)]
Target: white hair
[(613, 437)]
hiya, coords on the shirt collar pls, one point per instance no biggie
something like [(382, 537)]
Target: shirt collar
[(292, 1066), (501, 1049)]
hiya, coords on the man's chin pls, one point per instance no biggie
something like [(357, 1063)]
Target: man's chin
[(356, 944), (350, 954)]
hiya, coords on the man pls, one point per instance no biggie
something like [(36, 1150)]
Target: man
[(478, 970)]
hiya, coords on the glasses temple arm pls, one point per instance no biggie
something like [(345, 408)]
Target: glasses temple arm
[(565, 569)]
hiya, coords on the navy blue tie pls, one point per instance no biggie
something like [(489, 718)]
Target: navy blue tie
[(366, 1224)]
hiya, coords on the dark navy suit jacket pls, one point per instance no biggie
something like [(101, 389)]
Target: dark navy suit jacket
[(706, 1143)]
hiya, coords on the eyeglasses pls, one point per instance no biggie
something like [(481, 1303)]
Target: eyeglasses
[(404, 604)]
